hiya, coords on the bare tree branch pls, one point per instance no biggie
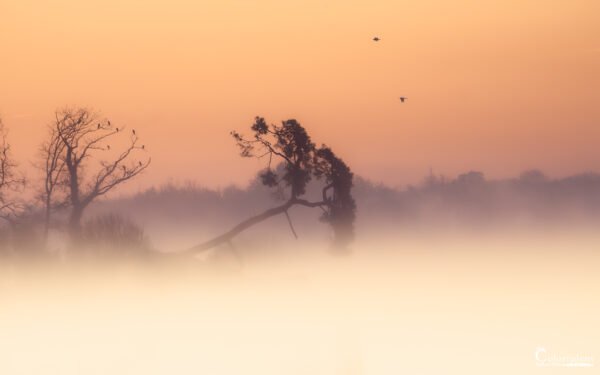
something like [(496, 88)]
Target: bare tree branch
[(287, 215)]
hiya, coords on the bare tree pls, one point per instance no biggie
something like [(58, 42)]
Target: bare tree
[(76, 136), (290, 144), (53, 166), (10, 180)]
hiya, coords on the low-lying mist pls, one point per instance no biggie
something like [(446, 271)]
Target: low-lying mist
[(462, 276), (176, 217), (447, 304)]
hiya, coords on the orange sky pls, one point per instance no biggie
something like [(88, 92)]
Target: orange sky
[(499, 86)]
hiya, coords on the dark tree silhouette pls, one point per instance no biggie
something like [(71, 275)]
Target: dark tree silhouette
[(77, 134), (10, 180), (52, 164), (302, 161)]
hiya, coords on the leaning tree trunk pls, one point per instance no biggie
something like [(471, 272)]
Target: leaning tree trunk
[(228, 236)]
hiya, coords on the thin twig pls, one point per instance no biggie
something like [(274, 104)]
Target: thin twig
[(291, 225)]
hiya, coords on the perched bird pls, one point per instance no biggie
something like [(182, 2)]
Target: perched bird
[(117, 129), (133, 131), (98, 125), (140, 163), (376, 39), (108, 122), (403, 98), (124, 168), (143, 147), (108, 147)]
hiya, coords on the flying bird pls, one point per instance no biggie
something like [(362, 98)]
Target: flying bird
[(403, 98), (376, 39)]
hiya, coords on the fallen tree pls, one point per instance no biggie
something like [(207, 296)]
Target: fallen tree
[(302, 161)]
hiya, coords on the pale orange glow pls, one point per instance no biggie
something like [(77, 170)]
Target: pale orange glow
[(499, 86)]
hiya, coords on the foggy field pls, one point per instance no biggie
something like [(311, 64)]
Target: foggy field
[(451, 304)]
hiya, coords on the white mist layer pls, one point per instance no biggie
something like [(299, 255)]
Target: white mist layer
[(460, 305)]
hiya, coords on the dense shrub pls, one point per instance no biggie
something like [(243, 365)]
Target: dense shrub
[(115, 235)]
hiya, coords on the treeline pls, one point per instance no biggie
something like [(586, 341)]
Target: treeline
[(468, 201), (472, 201)]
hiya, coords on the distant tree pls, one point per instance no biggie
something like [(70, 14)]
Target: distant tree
[(532, 177), (290, 144), (471, 178), (432, 181), (76, 135), (11, 181)]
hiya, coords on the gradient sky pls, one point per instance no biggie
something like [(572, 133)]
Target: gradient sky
[(499, 86)]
